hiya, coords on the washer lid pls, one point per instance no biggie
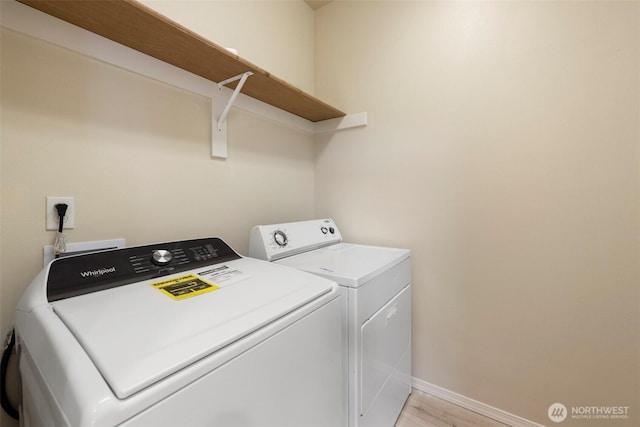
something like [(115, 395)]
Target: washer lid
[(348, 264), (137, 334)]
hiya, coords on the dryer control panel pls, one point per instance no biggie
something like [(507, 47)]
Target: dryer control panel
[(275, 241)]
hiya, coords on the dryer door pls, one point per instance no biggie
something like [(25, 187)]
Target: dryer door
[(386, 338)]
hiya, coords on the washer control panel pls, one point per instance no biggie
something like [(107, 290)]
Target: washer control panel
[(275, 241), (83, 274)]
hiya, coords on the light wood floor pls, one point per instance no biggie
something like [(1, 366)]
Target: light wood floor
[(424, 410)]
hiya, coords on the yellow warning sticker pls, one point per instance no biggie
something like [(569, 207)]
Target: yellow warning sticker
[(184, 287)]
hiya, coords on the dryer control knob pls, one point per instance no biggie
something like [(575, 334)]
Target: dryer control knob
[(161, 257), (280, 238)]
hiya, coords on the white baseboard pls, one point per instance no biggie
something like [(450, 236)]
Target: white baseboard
[(473, 405)]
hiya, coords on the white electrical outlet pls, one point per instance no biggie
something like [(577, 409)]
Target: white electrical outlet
[(52, 214)]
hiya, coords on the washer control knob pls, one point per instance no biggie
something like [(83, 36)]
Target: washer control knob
[(280, 238), (332, 230), (324, 229), (161, 257)]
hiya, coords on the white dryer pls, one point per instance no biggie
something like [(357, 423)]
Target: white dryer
[(376, 284), (185, 333)]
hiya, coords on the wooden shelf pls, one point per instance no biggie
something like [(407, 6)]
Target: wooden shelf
[(134, 25)]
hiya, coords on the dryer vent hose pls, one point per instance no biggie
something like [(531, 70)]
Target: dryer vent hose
[(4, 398)]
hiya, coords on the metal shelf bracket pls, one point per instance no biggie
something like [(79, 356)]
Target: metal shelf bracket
[(219, 119)]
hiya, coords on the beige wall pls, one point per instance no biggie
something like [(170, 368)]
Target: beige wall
[(276, 35), (135, 154), (502, 149), (71, 126)]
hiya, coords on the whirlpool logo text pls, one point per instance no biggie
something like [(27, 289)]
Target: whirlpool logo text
[(99, 272)]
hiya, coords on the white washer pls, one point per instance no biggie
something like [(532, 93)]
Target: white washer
[(179, 334), (376, 283)]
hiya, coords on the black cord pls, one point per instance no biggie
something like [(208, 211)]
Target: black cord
[(62, 211), (4, 398)]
